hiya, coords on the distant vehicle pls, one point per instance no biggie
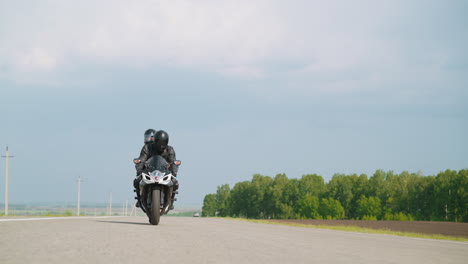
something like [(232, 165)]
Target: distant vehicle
[(196, 215)]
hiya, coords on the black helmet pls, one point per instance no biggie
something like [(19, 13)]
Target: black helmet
[(161, 140), (149, 135)]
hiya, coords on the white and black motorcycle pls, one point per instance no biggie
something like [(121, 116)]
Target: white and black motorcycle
[(156, 188)]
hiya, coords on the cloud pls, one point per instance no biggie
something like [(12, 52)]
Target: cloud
[(181, 33), (341, 45)]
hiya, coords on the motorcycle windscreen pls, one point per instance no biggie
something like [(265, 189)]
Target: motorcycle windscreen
[(157, 162)]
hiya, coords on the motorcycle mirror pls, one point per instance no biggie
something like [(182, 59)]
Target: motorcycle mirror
[(136, 161), (177, 162)]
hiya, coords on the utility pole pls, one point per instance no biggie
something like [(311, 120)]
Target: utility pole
[(110, 205), (133, 212), (7, 157), (79, 190), (126, 207)]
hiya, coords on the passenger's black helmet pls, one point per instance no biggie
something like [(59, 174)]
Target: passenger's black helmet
[(149, 135), (161, 140)]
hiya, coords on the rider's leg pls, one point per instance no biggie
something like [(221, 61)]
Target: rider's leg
[(174, 192), (136, 185)]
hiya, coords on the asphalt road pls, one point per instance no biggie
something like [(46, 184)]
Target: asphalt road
[(205, 240)]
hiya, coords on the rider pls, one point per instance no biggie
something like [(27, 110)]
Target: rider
[(148, 138), (158, 147), (149, 135)]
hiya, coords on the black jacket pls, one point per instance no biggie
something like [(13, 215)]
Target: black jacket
[(149, 150)]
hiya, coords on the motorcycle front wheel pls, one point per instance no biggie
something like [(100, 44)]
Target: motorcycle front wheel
[(155, 206)]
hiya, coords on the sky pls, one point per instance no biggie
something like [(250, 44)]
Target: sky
[(241, 87)]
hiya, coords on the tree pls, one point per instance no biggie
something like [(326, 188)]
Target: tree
[(308, 207), (242, 200), (262, 201), (369, 207), (281, 208), (209, 205), (462, 196), (340, 188), (292, 194), (331, 209), (222, 199), (451, 201), (420, 197), (312, 184), (360, 184), (385, 195), (380, 186)]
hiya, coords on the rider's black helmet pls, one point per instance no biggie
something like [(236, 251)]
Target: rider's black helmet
[(149, 135), (161, 140)]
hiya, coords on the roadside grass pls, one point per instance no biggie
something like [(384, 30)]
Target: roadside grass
[(358, 230), (43, 213), (36, 215)]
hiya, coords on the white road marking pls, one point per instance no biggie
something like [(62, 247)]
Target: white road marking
[(353, 233), (51, 218), (442, 241)]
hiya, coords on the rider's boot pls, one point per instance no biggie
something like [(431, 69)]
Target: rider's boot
[(137, 204), (174, 192), (173, 199), (136, 185)]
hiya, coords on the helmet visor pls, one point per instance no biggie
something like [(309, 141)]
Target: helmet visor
[(149, 138), (161, 145)]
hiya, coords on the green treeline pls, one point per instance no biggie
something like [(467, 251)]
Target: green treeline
[(383, 196)]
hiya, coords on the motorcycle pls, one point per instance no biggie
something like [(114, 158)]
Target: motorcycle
[(156, 188)]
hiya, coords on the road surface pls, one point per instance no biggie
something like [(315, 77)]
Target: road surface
[(207, 240)]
